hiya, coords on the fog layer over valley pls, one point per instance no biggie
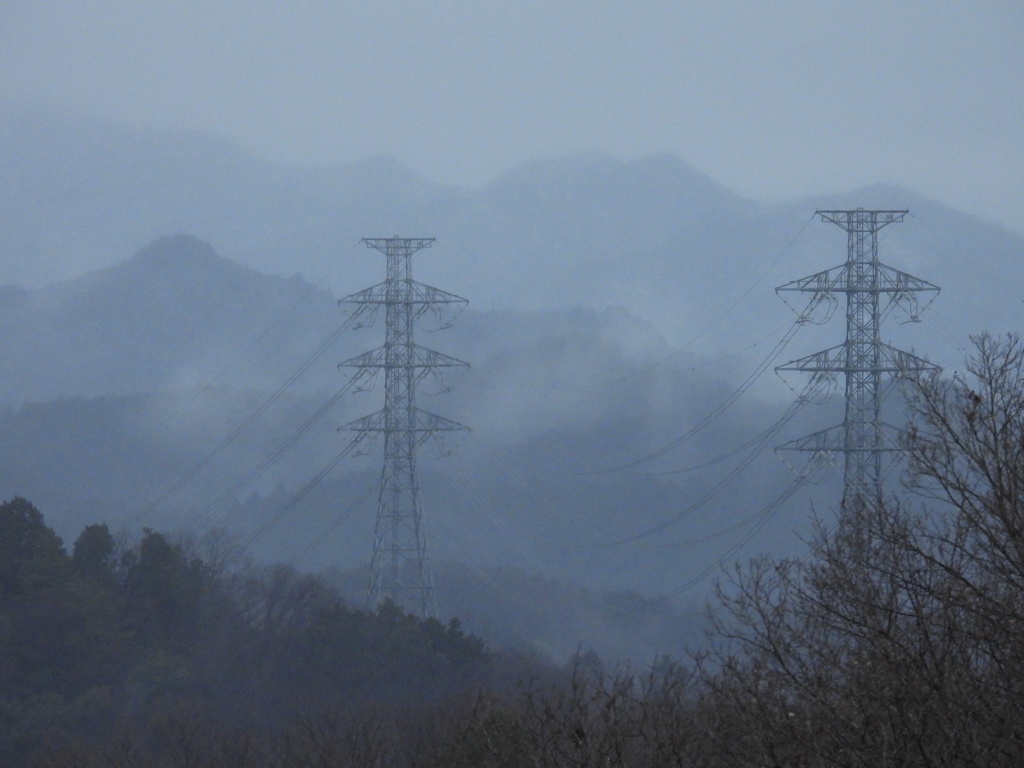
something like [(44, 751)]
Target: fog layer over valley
[(166, 291)]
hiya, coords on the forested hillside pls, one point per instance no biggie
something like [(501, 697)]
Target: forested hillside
[(893, 641), (110, 639)]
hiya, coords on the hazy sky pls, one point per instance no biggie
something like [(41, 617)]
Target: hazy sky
[(773, 99)]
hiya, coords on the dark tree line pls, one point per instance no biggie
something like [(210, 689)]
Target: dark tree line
[(114, 642), (896, 641)]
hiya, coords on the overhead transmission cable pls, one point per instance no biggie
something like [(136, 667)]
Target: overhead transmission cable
[(259, 411), (739, 300), (757, 439), (450, 539), (755, 449), (724, 406), (528, 488), (762, 517), (756, 445), (751, 287), (476, 499), (267, 330), (335, 525), (469, 490), (302, 493), (704, 331), (464, 486), (269, 461)]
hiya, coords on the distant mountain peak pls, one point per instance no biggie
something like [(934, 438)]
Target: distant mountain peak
[(176, 251), (668, 165), (572, 165), (585, 175)]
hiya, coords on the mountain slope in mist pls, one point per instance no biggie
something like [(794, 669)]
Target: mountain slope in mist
[(653, 235), (80, 193), (170, 316), (555, 400)]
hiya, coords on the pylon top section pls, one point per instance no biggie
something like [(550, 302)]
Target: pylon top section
[(399, 251), (863, 273), (387, 244), (861, 220)]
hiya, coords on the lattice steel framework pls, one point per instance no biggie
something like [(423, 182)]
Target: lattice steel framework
[(399, 570), (871, 289)]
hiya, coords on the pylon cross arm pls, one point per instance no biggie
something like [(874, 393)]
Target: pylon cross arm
[(840, 280), (420, 357), (417, 293), (875, 220), (820, 282), (425, 421), (892, 280), (407, 244), (889, 360), (375, 294), (833, 440), (428, 294), (422, 421)]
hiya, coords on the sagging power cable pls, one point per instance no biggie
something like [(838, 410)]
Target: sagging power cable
[(301, 494), (760, 519), (269, 461), (754, 451), (238, 430), (340, 521), (731, 400)]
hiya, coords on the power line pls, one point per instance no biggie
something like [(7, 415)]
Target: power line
[(335, 525), (302, 493), (257, 340), (739, 300), (755, 449), (240, 428), (760, 519), (719, 410), (254, 474)]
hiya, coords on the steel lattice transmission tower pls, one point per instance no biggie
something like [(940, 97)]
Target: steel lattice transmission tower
[(399, 570), (871, 289)]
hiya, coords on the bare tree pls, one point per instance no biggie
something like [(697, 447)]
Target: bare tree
[(897, 640)]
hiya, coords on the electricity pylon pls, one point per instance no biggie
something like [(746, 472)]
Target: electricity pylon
[(862, 437), (399, 570)]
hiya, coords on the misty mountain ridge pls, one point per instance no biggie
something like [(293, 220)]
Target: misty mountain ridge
[(81, 193), (171, 316), (651, 235), (177, 315)]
